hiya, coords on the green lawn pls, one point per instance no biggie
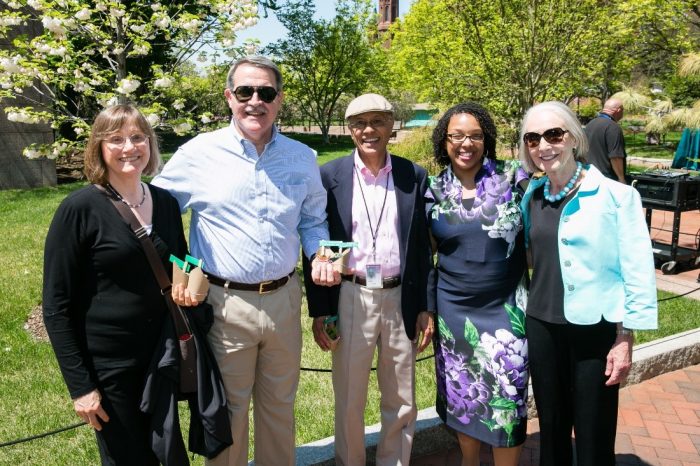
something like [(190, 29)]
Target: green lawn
[(34, 399), (635, 145)]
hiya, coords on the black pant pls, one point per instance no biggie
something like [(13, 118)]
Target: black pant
[(125, 439), (567, 366)]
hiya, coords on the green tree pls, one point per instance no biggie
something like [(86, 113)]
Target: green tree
[(508, 54), (90, 54), (325, 59)]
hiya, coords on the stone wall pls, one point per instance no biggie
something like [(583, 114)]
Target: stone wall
[(16, 171)]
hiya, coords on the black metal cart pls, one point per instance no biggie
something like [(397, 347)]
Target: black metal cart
[(675, 192)]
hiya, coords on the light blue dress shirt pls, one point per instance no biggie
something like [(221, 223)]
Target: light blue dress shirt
[(605, 254), (250, 213)]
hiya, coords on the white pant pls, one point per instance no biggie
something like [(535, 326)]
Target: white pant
[(257, 343), (367, 319)]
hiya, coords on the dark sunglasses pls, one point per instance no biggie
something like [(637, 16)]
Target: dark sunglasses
[(552, 136), (266, 93)]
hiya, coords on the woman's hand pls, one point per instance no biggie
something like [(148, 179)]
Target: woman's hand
[(425, 324), (89, 409), (619, 359), (182, 296)]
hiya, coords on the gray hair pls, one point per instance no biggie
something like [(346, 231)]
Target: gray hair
[(259, 62), (571, 124)]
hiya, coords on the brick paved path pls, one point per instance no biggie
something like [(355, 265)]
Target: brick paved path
[(658, 425)]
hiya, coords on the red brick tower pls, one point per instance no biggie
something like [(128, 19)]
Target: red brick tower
[(388, 13)]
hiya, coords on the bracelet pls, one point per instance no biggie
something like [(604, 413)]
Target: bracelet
[(624, 331)]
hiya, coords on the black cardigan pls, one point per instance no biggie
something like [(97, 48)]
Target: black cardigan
[(102, 306)]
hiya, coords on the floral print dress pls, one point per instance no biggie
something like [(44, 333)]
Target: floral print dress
[(478, 291)]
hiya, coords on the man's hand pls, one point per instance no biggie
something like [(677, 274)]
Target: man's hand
[(619, 360), (182, 296), (323, 274), (89, 409), (322, 339), (425, 324)]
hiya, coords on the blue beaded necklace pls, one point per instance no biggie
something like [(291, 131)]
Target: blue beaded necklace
[(569, 186)]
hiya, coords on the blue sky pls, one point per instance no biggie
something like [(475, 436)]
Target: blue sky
[(269, 29)]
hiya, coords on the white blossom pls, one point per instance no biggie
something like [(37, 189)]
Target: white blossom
[(83, 14), (11, 64), (192, 25), (138, 28), (10, 21), (163, 82), (81, 86), (156, 6), (57, 51), (101, 6), (182, 128), (31, 153), (205, 119), (54, 25), (160, 20), (36, 4), (117, 12), (141, 49), (23, 117), (57, 150), (179, 104), (14, 5), (127, 86), (153, 119), (79, 130)]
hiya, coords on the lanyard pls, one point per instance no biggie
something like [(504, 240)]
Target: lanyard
[(373, 231)]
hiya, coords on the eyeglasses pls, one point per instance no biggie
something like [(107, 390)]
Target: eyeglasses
[(120, 141), (459, 138), (360, 125), (552, 136), (266, 93)]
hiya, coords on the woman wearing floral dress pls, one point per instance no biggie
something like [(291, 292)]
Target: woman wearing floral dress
[(477, 287)]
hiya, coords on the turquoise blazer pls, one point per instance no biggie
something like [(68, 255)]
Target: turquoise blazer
[(605, 255)]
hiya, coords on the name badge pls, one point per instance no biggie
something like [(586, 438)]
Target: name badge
[(373, 272)]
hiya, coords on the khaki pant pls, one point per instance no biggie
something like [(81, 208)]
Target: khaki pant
[(257, 343), (367, 319)]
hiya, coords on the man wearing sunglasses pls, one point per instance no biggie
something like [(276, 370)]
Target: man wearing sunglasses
[(607, 142), (255, 197), (375, 199)]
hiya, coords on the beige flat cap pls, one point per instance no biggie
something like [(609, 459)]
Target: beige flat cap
[(368, 103)]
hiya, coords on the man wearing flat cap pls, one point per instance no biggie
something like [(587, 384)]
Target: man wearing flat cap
[(375, 199)]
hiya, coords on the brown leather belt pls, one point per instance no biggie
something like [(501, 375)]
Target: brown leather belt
[(388, 282), (261, 288)]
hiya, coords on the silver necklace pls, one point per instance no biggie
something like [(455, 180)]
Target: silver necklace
[(133, 206)]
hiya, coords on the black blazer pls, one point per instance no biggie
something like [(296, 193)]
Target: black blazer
[(410, 185)]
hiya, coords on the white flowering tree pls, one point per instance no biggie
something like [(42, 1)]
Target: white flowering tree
[(91, 54)]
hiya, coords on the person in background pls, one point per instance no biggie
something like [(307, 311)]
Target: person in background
[(255, 197), (607, 142), (593, 283), (478, 287), (102, 306), (375, 199)]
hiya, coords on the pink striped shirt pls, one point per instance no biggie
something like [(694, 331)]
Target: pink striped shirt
[(387, 240)]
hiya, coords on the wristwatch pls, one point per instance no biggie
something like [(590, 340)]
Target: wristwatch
[(623, 331)]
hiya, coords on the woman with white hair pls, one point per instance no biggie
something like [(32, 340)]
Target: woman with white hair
[(593, 283)]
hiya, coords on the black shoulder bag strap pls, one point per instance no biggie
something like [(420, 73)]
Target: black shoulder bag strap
[(188, 381)]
